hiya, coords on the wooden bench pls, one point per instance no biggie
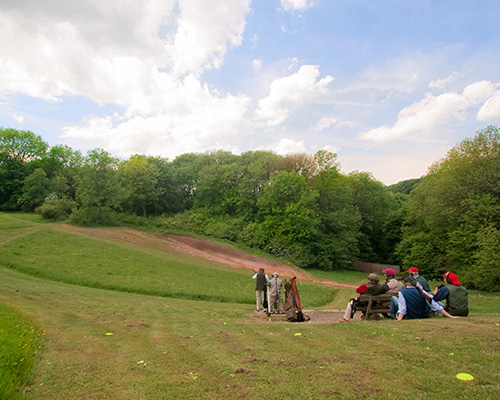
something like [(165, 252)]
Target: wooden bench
[(372, 309)]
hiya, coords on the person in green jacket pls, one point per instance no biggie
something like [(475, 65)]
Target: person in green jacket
[(413, 271), (261, 283), (456, 296), (373, 287)]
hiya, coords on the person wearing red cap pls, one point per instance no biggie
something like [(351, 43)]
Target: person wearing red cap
[(455, 294), (392, 283), (373, 287), (394, 287), (413, 271)]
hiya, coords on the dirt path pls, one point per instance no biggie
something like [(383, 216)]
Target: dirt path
[(176, 244)]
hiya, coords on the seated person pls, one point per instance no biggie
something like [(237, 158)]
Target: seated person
[(373, 287), (413, 271), (394, 287), (455, 294), (414, 303)]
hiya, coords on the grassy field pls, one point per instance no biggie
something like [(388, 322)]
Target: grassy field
[(110, 334)]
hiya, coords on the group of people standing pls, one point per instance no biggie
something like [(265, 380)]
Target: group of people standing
[(262, 284), (413, 298)]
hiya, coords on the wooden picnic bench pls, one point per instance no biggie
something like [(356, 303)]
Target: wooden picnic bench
[(371, 308)]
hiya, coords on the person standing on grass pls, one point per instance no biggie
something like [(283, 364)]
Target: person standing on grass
[(415, 303), (373, 287), (455, 294), (275, 292), (260, 286)]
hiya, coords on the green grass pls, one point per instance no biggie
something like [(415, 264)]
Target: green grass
[(75, 259), (187, 348), (20, 343), (197, 349)]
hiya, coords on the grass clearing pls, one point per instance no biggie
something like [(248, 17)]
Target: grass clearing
[(20, 344), (178, 348), (50, 253)]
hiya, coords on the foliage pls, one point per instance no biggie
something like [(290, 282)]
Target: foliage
[(404, 187), (453, 215), (139, 180), (35, 189), (99, 191), (299, 207), (20, 151), (55, 208)]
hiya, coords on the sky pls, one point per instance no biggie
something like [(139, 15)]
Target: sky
[(388, 85)]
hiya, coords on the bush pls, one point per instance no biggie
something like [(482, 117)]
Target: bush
[(93, 216), (55, 208)]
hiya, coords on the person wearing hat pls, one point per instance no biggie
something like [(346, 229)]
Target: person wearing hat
[(373, 287), (415, 303), (394, 286), (413, 271), (275, 292), (260, 286), (455, 294), (392, 283)]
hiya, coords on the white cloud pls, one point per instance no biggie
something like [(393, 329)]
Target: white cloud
[(257, 65), (296, 4), (198, 120), (490, 111), (18, 118), (325, 123), (441, 83), (204, 29), (432, 112), (289, 146), (331, 149), (90, 49), (144, 56), (291, 91)]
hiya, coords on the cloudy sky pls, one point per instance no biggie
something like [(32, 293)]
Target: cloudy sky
[(388, 85)]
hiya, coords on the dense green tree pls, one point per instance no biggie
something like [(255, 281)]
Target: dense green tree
[(375, 204), (19, 153), (99, 191), (454, 213), (139, 181), (404, 187), (287, 222), (23, 146), (340, 221), (171, 198), (35, 189)]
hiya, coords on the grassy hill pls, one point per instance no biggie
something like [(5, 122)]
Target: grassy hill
[(117, 321)]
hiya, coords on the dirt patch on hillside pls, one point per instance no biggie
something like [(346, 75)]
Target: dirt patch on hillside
[(216, 252)]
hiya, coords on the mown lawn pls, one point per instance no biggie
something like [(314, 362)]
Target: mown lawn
[(112, 344), (59, 256)]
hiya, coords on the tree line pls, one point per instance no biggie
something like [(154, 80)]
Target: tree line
[(300, 208)]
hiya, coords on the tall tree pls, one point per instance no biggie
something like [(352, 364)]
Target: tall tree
[(453, 215), (35, 189), (139, 179), (19, 153), (99, 189)]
